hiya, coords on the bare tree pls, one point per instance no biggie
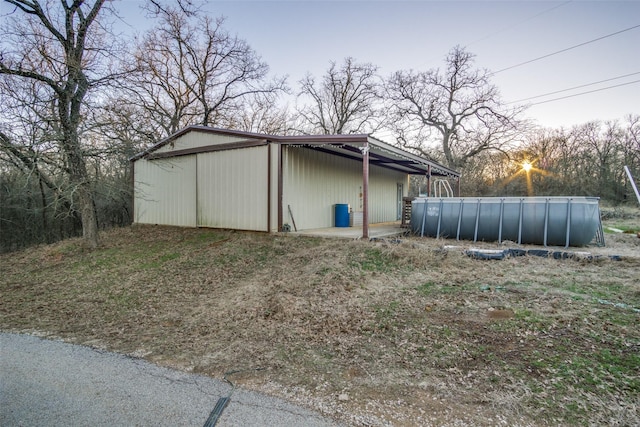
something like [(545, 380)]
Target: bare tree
[(632, 140), (345, 100), (59, 48), (459, 104), (192, 71), (260, 113)]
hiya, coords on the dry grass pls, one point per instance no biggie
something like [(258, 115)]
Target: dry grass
[(371, 333)]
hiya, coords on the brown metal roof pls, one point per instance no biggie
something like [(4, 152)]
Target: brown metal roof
[(349, 146)]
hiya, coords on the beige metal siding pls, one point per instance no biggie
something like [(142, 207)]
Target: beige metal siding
[(232, 189), (383, 193), (314, 182), (164, 191)]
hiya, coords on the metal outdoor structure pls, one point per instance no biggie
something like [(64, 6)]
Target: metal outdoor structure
[(198, 156), (633, 183), (442, 188)]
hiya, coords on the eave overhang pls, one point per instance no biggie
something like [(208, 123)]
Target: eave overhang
[(348, 146)]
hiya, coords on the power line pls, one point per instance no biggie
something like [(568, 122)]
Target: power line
[(517, 24), (584, 93), (564, 50), (573, 88)]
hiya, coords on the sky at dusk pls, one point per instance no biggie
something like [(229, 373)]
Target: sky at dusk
[(295, 37)]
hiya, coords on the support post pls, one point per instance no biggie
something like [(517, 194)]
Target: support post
[(633, 183), (269, 187), (546, 221), (439, 218), (520, 221), (280, 187), (365, 190), (428, 180), (568, 236)]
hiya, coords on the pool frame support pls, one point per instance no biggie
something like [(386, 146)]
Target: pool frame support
[(566, 243), (475, 232), (500, 221), (459, 219), (520, 221)]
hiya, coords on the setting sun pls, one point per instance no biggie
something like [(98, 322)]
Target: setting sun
[(526, 166)]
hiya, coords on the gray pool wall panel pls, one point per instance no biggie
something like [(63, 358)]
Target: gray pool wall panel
[(556, 221)]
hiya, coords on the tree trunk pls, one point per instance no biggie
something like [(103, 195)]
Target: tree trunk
[(446, 148), (82, 196), (43, 213), (88, 215)]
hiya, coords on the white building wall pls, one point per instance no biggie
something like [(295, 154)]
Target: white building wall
[(164, 191), (314, 182), (232, 189)]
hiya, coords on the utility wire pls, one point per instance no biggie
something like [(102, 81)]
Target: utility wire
[(517, 24), (573, 88), (564, 50), (584, 93)]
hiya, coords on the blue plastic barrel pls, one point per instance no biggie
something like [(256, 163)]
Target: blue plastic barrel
[(342, 215)]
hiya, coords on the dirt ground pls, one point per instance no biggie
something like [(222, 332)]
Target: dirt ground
[(408, 331)]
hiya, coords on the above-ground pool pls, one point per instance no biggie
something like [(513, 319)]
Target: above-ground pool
[(568, 221)]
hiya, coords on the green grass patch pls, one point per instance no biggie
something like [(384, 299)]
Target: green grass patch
[(160, 260), (375, 260), (430, 289), (386, 315), (603, 290)]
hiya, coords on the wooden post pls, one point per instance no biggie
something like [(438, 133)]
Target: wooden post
[(365, 190), (428, 180)]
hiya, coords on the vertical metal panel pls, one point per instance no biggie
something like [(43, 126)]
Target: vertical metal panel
[(314, 182), (164, 191), (232, 189), (383, 193)]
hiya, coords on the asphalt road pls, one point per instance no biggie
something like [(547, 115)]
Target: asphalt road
[(52, 383)]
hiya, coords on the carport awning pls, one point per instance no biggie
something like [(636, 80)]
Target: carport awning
[(348, 146), (380, 153)]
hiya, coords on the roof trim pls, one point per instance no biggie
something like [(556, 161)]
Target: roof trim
[(247, 143), (197, 128), (351, 139), (383, 152)]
